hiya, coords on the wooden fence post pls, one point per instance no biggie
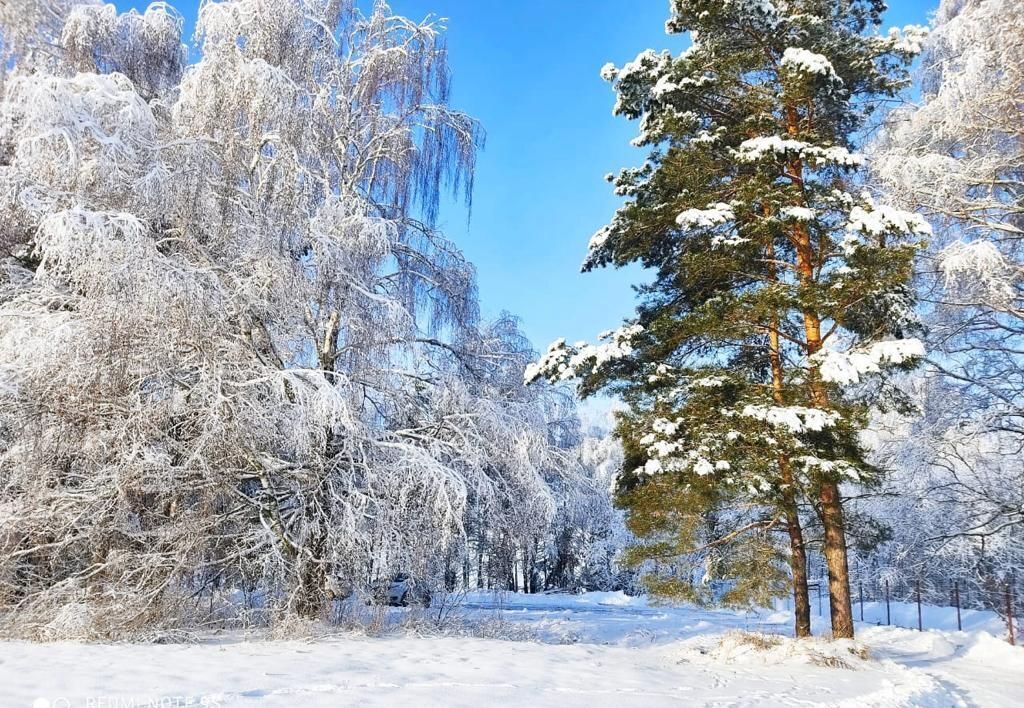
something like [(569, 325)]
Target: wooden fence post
[(888, 614), (1009, 612), (956, 598), (921, 625), (860, 584)]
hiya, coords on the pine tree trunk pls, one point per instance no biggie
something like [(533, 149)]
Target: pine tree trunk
[(831, 508), (798, 565), (798, 553), (840, 602)]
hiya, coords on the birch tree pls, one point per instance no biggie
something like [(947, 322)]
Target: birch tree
[(235, 350), (957, 154)]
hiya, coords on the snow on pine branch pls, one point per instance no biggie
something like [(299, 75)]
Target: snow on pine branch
[(795, 419), (760, 12), (841, 468), (668, 452), (879, 220), (779, 148), (562, 362), (714, 215), (846, 368), (797, 213), (805, 61)]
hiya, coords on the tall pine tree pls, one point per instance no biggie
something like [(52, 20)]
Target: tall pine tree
[(780, 294)]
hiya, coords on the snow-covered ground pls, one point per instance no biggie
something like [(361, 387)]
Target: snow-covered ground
[(599, 649)]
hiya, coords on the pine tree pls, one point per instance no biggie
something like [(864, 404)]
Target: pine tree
[(778, 287)]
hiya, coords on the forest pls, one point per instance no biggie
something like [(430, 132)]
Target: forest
[(246, 379)]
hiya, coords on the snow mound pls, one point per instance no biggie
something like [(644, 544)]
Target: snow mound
[(913, 690), (897, 686), (570, 651), (991, 650), (773, 649), (617, 599)]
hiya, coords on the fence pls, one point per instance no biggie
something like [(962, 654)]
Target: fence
[(887, 602)]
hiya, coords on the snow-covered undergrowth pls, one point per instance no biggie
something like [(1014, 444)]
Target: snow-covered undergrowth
[(597, 649)]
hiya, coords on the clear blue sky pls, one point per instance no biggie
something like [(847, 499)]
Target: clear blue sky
[(528, 70)]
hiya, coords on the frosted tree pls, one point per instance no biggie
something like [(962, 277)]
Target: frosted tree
[(144, 47), (958, 155), (235, 351), (588, 533), (780, 296), (953, 503), (30, 32), (958, 152)]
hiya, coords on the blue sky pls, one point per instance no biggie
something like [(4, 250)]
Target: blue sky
[(528, 70)]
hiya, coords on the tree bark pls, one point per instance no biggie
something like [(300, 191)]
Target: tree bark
[(798, 552), (831, 508), (309, 601), (480, 561), (310, 593), (840, 600)]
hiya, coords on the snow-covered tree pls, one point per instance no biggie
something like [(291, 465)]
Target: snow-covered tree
[(588, 534), (235, 351), (30, 32), (953, 502), (780, 293), (957, 154)]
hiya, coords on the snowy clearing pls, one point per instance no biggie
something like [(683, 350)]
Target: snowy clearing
[(597, 649), (258, 404)]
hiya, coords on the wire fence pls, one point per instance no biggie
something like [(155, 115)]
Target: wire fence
[(927, 603)]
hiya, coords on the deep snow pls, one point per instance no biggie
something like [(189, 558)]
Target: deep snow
[(598, 649)]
